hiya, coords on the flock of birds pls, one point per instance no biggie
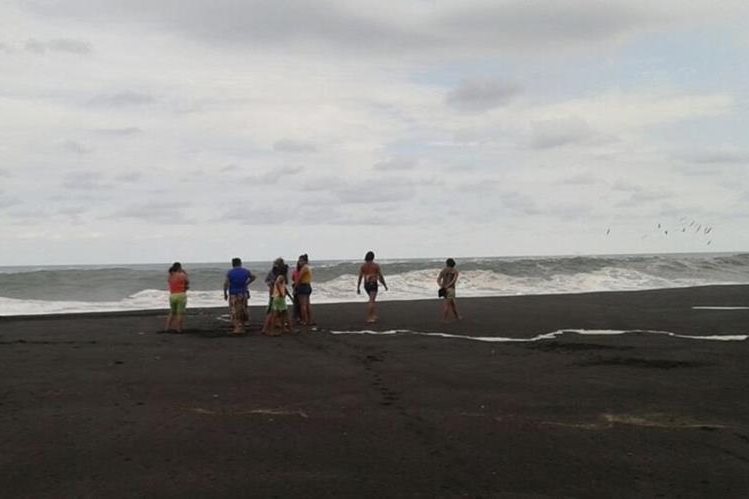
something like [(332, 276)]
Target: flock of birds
[(693, 227)]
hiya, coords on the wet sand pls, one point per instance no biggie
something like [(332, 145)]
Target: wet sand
[(101, 405)]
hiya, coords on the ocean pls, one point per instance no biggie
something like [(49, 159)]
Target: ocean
[(39, 290)]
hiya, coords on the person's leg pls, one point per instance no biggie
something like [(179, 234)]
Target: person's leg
[(278, 323), (454, 306), (308, 311), (445, 309), (268, 323), (172, 312), (181, 308), (372, 307), (303, 302), (296, 307), (236, 313), (245, 317), (288, 320)]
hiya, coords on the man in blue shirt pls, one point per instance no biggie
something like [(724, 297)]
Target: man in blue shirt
[(237, 292)]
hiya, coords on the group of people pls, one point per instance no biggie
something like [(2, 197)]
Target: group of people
[(277, 318)]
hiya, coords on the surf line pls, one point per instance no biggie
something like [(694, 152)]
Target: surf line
[(720, 308), (549, 336)]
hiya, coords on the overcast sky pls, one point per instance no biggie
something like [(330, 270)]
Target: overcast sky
[(159, 130)]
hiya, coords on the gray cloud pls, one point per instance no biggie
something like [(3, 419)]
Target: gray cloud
[(254, 215), (318, 184), (549, 134), (519, 202), (66, 45), (129, 178), (75, 147), (569, 211), (624, 186), (717, 157), (580, 179), (481, 95), (545, 25), (119, 132), (481, 27), (7, 201), (258, 22), (85, 181), (643, 197), (4, 173), (122, 99), (273, 176), (161, 212), (396, 164), (293, 146), (376, 190)]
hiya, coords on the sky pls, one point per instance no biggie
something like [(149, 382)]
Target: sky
[(136, 131)]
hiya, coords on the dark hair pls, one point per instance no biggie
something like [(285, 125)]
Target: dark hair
[(176, 267), (236, 262), (450, 262), (369, 256)]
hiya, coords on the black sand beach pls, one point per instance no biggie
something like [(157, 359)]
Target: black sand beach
[(102, 406)]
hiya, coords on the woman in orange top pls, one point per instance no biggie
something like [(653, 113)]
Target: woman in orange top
[(179, 283), (303, 289)]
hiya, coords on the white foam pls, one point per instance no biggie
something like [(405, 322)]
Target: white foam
[(549, 336), (720, 308), (149, 299)]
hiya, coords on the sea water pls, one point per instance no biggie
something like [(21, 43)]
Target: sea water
[(79, 288)]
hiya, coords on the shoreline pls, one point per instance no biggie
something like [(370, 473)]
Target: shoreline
[(255, 306)]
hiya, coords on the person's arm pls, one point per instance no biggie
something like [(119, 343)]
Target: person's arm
[(454, 279), (187, 282), (440, 278), (251, 278), (358, 284), (226, 287), (381, 277), (270, 279)]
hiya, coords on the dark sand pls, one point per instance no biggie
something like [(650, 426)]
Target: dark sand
[(102, 406)]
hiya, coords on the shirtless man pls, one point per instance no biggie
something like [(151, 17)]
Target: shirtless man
[(371, 274), (446, 281)]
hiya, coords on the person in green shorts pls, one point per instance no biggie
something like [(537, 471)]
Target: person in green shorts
[(279, 314), (179, 283)]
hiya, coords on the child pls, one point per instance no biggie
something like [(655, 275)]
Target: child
[(279, 314), (446, 281), (179, 283)]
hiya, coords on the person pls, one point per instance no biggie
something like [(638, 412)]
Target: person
[(446, 281), (371, 274), (303, 289), (297, 313), (179, 283), (279, 268), (279, 311), (237, 292)]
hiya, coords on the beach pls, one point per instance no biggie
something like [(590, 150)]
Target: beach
[(615, 394)]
